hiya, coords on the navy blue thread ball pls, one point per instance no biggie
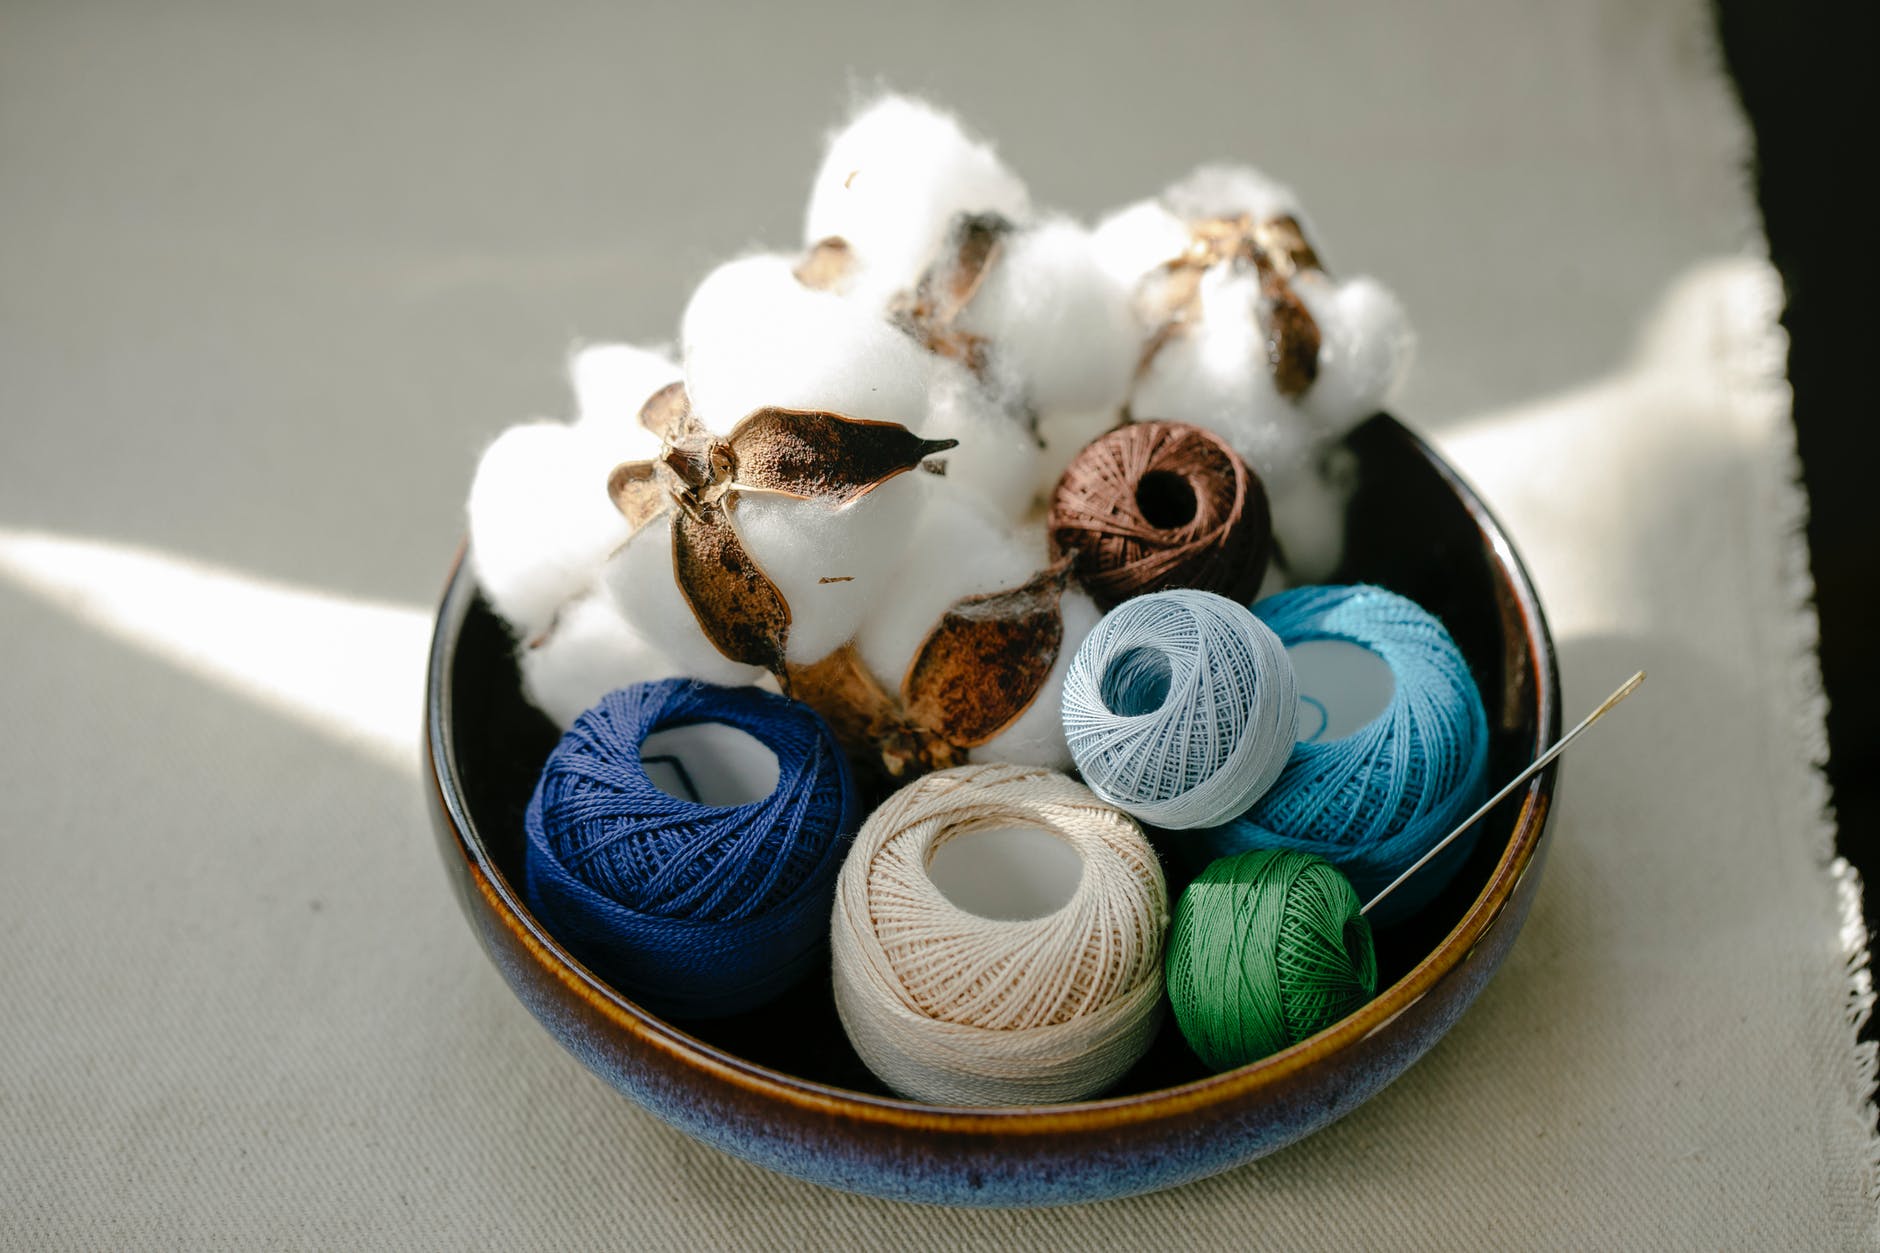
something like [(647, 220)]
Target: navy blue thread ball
[(693, 910), (1374, 801)]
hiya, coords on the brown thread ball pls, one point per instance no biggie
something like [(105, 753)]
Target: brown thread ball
[(1156, 505)]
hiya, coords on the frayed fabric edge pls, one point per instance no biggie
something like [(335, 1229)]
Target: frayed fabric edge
[(1757, 372)]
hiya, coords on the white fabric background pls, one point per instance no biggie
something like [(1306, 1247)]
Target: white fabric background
[(268, 281)]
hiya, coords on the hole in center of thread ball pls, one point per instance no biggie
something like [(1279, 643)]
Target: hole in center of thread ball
[(1008, 874), (710, 763), (1136, 682), (1342, 687), (1166, 499)]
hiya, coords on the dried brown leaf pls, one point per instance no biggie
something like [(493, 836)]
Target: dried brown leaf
[(823, 456), (637, 492), (738, 608), (986, 659)]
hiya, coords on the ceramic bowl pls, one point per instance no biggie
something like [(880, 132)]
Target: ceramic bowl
[(781, 1086)]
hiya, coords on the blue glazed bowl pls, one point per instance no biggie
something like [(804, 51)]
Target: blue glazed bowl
[(781, 1087)]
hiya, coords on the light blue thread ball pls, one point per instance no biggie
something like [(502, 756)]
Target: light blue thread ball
[(1180, 708), (694, 910), (1374, 801)]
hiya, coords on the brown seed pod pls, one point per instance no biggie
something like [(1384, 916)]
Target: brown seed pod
[(978, 669), (1156, 505), (1276, 250), (826, 266), (805, 453), (973, 246)]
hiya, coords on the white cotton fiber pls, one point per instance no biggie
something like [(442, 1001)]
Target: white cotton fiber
[(1136, 239), (1061, 437), (1309, 522), (1214, 374), (1227, 191), (612, 382), (1061, 330), (1036, 737), (997, 457), (955, 549), (832, 565), (754, 336), (541, 521), (638, 579), (590, 652), (891, 183), (1365, 349)]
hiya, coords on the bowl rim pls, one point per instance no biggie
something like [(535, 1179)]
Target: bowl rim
[(1100, 1114)]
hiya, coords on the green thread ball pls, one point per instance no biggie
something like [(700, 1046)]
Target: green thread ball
[(1266, 948)]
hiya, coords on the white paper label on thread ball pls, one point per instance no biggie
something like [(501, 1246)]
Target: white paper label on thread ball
[(1008, 874), (710, 763), (1342, 687)]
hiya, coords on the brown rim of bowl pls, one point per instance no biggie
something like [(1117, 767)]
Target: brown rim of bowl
[(1079, 1116)]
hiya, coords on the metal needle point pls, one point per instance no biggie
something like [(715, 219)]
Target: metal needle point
[(1625, 690)]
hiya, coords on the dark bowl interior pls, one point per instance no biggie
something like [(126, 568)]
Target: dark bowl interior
[(1413, 526)]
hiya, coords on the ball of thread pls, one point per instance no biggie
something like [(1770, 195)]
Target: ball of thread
[(1266, 949), (1376, 800), (693, 910), (1155, 505), (951, 1008), (1180, 708)]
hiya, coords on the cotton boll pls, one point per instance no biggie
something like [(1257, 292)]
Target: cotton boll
[(612, 383), (638, 580), (541, 521), (1228, 191), (1062, 436), (1309, 525), (1036, 737), (997, 458), (1061, 330), (1365, 349), (956, 549), (754, 336), (1135, 240), (590, 652), (891, 183), (1214, 374), (831, 565)]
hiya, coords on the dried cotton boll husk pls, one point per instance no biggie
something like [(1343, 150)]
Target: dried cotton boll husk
[(1365, 350), (611, 383), (638, 579), (1214, 375), (997, 458), (590, 652), (1036, 737), (831, 565), (955, 549), (890, 184), (1061, 332), (541, 521), (754, 336)]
